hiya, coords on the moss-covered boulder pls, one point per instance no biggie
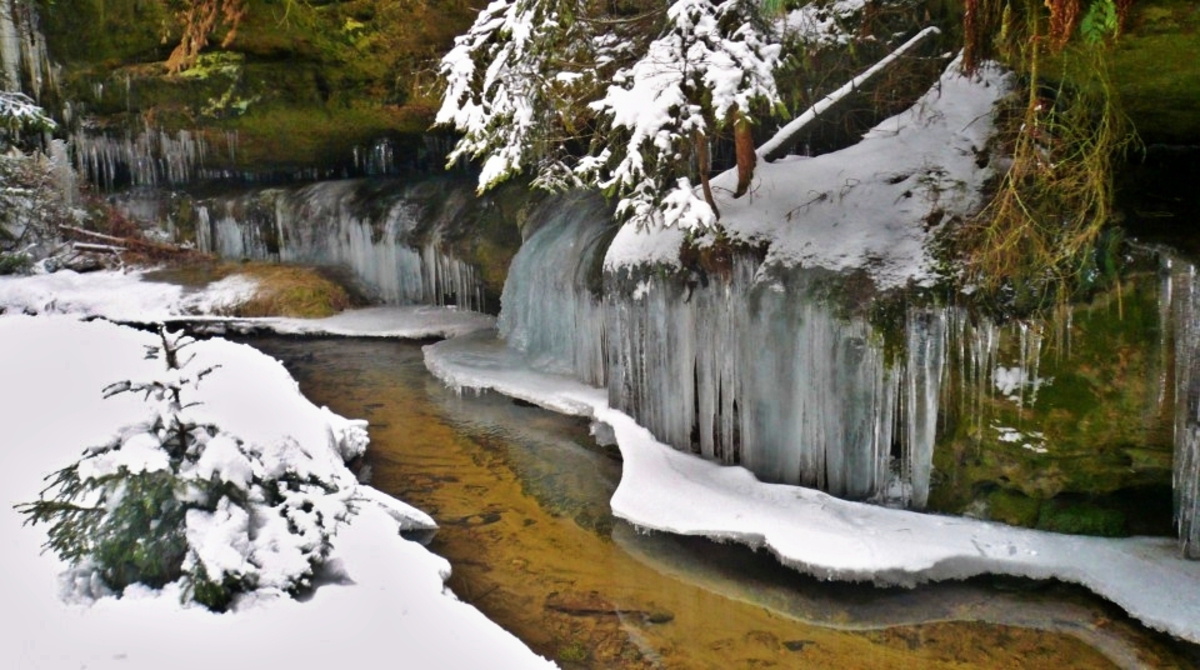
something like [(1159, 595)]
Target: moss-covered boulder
[(1077, 408)]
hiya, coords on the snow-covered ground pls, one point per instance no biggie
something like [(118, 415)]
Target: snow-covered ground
[(383, 600), (666, 490), (127, 297)]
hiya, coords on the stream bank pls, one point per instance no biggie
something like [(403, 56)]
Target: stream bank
[(521, 496)]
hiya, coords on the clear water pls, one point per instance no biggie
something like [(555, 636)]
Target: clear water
[(521, 496)]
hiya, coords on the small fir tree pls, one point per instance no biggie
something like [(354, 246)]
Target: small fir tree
[(174, 498)]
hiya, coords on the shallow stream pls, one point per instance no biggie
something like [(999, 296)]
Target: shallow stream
[(521, 498)]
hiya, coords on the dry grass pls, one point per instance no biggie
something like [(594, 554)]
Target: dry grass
[(1035, 244), (283, 290), (289, 290)]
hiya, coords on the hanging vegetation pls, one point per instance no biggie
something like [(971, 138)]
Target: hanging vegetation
[(199, 18), (1037, 242)]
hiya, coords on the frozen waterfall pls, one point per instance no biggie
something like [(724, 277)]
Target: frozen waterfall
[(1181, 293), (379, 230), (551, 307), (739, 368), (783, 371)]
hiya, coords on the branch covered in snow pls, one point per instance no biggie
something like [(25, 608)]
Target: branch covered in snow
[(512, 82), (525, 81), (18, 113), (775, 147), (712, 60)]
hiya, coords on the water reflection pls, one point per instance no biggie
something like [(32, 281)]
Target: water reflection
[(521, 496)]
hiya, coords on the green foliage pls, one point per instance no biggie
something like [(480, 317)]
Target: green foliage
[(14, 263), (1099, 22), (128, 509), (20, 115), (139, 539)]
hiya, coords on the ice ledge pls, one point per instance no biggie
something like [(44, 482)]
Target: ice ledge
[(666, 490)]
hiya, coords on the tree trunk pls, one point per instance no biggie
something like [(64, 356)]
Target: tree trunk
[(704, 164), (747, 158)]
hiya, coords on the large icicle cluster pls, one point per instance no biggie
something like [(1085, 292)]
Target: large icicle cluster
[(330, 223), (763, 373), (551, 307), (1182, 298), (149, 158)]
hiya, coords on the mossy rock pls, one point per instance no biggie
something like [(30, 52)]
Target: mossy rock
[(301, 85), (1092, 423), (1079, 518), (1157, 72), (1013, 508)]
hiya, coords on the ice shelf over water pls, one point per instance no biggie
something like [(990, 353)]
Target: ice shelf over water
[(664, 490)]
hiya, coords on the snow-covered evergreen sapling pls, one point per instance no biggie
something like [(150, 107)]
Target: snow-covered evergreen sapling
[(172, 498)]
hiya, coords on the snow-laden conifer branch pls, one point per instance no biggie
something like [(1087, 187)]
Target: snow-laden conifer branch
[(20, 113), (711, 58), (529, 77)]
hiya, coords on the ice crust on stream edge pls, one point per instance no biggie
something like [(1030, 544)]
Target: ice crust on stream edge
[(665, 490)]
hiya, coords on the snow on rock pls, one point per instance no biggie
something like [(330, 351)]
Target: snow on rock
[(665, 490), (867, 206), (380, 596)]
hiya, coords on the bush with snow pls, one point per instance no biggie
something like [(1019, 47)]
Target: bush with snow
[(173, 498)]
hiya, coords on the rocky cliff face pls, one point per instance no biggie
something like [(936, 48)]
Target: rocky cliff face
[(311, 89)]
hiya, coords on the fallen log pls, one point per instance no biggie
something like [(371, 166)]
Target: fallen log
[(135, 244), (777, 147)]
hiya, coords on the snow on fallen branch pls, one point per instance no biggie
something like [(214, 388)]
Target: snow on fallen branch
[(120, 243), (87, 246), (775, 148)]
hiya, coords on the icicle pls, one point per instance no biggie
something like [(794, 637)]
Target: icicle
[(337, 223), (926, 347), (1187, 408), (150, 158), (549, 311), (10, 48)]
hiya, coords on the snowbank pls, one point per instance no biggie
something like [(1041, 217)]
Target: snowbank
[(126, 297), (871, 205), (383, 597), (666, 490)]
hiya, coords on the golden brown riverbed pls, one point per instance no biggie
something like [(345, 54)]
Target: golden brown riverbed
[(521, 497)]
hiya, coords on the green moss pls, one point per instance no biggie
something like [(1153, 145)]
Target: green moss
[(90, 33), (1156, 70), (302, 83), (574, 652), (1080, 518), (1093, 426), (1013, 508)]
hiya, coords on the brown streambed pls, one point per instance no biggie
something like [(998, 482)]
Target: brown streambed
[(521, 497)]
